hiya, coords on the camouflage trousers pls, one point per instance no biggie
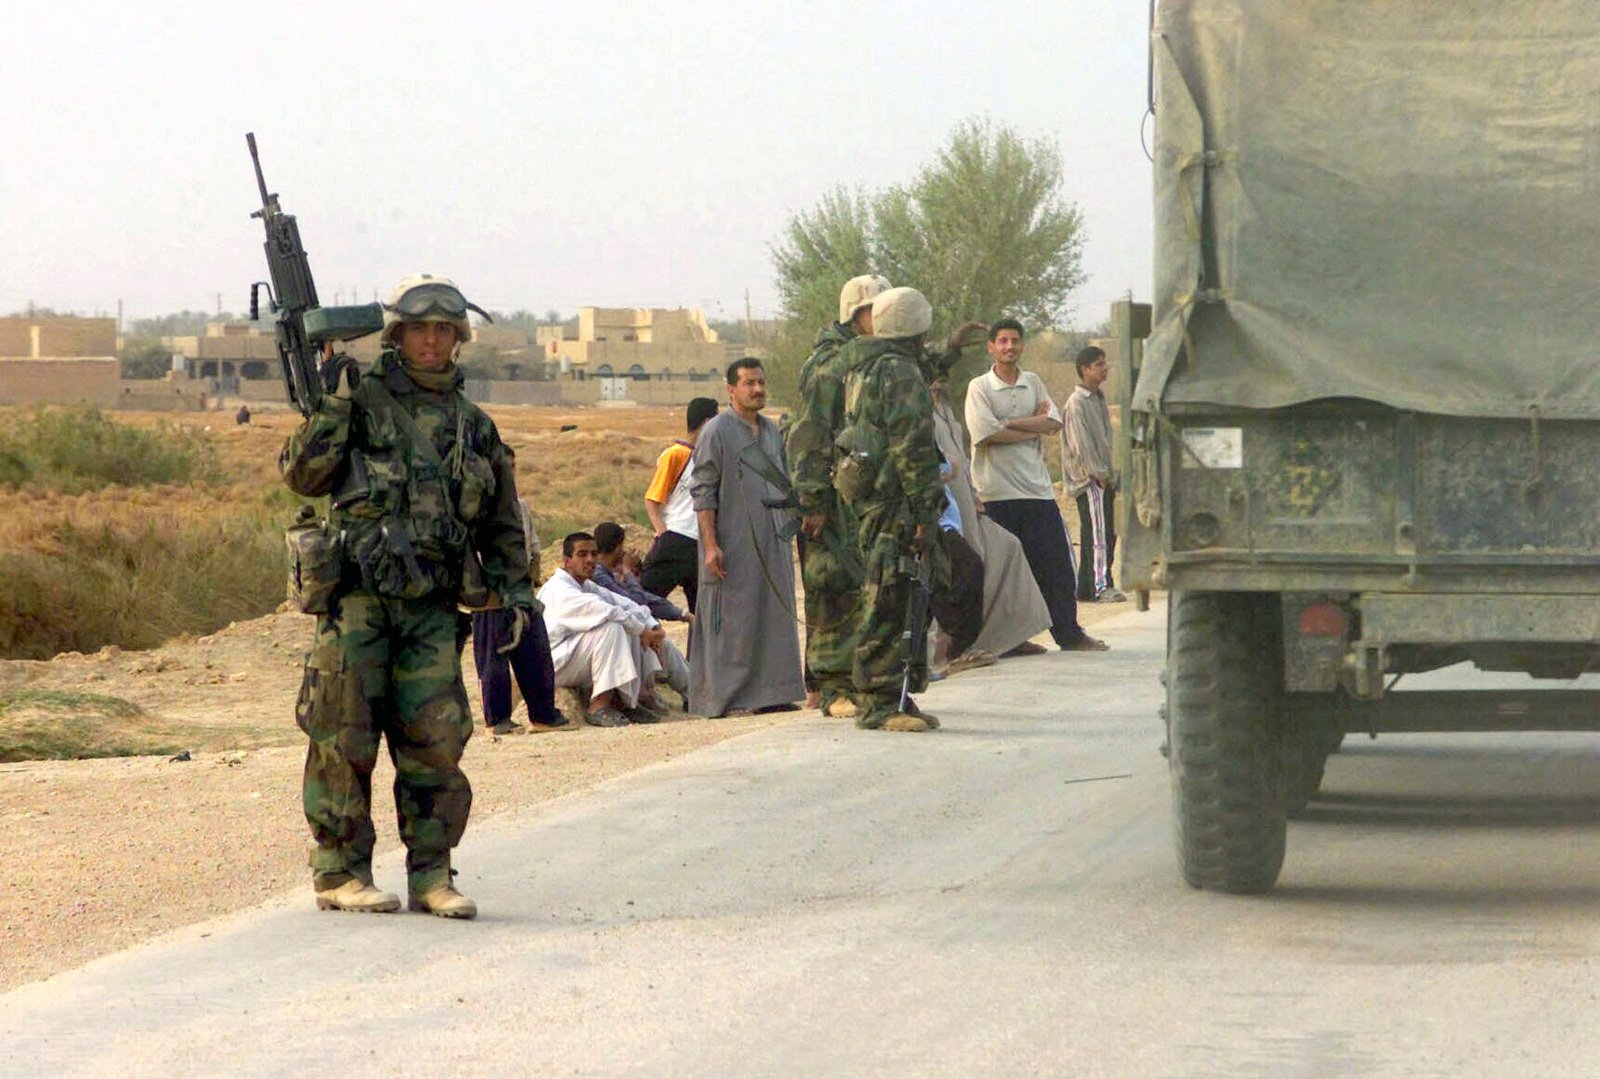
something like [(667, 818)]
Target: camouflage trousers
[(879, 664), (831, 572), (389, 668)]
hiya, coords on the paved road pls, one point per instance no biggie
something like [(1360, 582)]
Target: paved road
[(998, 898)]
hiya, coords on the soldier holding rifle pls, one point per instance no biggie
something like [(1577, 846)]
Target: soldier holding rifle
[(421, 483), (888, 475), (423, 516)]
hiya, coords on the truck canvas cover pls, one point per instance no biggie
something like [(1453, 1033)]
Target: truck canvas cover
[(1392, 200)]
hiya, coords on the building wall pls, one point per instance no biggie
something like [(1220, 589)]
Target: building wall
[(58, 336), (61, 381), (162, 395), (678, 358), (567, 393)]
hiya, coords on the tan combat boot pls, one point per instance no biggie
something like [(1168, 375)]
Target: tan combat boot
[(841, 707), (914, 709), (357, 895), (443, 900)]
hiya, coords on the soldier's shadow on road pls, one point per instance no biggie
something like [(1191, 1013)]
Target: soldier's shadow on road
[(1466, 899), (1387, 809)]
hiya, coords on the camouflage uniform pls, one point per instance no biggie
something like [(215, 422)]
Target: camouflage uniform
[(829, 567), (386, 659), (887, 396)]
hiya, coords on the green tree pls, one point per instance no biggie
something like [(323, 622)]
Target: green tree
[(821, 249), (144, 357), (178, 324), (983, 230)]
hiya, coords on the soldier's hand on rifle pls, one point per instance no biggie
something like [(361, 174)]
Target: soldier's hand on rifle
[(518, 622), (811, 524), (339, 375)]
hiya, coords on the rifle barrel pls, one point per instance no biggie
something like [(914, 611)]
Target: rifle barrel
[(261, 181)]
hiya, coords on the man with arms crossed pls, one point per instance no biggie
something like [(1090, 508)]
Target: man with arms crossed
[(1009, 415)]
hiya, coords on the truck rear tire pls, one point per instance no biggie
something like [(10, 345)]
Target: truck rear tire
[(1226, 715)]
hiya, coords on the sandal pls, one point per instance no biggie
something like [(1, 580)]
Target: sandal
[(607, 715)]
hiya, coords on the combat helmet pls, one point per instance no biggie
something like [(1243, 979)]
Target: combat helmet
[(901, 312), (423, 297), (858, 292)]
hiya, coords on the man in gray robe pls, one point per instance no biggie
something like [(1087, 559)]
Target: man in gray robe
[(1013, 607), (744, 648)]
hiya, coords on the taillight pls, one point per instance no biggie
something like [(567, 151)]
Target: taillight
[(1323, 618)]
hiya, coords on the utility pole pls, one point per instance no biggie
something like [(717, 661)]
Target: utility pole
[(119, 318)]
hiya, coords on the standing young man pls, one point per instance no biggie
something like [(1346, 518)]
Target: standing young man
[(1086, 466), (673, 560), (1009, 415), (744, 652), (418, 474)]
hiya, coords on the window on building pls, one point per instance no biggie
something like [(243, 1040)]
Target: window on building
[(637, 373), (603, 371)]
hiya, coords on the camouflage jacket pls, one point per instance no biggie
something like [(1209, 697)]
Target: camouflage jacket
[(362, 453), (885, 395), (809, 445)]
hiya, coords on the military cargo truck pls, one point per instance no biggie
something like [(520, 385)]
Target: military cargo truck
[(1364, 437)]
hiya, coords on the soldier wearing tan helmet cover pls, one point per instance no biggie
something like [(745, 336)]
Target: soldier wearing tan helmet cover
[(892, 487), (418, 478), (828, 566)]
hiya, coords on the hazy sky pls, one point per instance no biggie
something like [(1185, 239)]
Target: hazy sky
[(543, 154)]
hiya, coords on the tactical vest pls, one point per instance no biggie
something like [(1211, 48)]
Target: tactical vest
[(402, 510)]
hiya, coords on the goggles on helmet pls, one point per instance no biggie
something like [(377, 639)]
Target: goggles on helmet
[(434, 299)]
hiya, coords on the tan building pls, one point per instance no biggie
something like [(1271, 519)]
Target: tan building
[(59, 359), (643, 343), (60, 336)]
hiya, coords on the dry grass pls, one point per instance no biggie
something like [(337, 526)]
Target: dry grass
[(85, 564)]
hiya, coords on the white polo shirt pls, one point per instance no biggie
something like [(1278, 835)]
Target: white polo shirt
[(1008, 470)]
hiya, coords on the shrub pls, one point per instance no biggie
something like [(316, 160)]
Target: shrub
[(76, 450)]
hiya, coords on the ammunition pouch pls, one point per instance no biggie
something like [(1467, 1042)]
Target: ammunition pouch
[(388, 563), (315, 559), (476, 477)]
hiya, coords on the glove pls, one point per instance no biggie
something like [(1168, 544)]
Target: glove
[(518, 622), (339, 374)]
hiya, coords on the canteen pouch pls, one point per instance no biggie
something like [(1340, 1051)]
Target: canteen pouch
[(862, 451), (315, 558)]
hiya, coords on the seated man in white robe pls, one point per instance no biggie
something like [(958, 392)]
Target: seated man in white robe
[(601, 641)]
